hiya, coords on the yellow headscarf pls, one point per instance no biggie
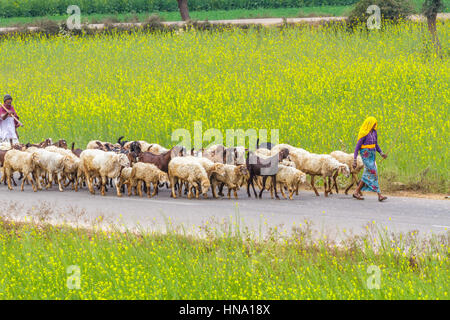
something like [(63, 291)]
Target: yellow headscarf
[(367, 126)]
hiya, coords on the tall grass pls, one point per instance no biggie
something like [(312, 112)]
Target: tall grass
[(35, 262)]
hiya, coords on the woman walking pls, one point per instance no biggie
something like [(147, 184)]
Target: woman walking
[(8, 122), (367, 146)]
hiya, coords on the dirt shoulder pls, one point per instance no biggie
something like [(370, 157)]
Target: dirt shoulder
[(414, 194), (402, 193)]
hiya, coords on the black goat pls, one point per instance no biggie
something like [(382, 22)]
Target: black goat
[(264, 145), (264, 167), (122, 143)]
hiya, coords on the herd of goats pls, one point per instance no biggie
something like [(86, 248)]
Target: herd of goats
[(137, 165)]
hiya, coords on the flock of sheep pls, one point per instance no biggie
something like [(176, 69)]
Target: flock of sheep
[(139, 165)]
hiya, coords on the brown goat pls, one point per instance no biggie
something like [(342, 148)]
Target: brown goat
[(161, 161), (76, 152), (60, 144), (43, 144)]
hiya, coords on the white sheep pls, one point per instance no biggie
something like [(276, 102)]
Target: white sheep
[(266, 153), (145, 146), (49, 164), (347, 158), (105, 165), (288, 163), (94, 144), (5, 146), (23, 162), (322, 165), (149, 174), (153, 148), (234, 177), (210, 166), (125, 179), (291, 178), (71, 164), (183, 169), (279, 147), (287, 177), (263, 152)]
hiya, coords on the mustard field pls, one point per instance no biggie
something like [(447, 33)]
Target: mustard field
[(315, 85)]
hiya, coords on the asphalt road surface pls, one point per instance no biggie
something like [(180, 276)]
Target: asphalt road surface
[(334, 215)]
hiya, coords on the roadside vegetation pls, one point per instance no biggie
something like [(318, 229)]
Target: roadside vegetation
[(18, 8), (195, 15), (41, 261), (89, 16)]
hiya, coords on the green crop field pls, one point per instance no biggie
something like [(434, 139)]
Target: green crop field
[(315, 85), (39, 261)]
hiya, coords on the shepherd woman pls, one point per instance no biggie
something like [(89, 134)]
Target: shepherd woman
[(367, 146), (8, 122)]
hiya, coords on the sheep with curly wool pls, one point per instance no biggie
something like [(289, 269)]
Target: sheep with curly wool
[(156, 148), (184, 169), (322, 165), (347, 158), (233, 177), (287, 177), (97, 144), (263, 152), (23, 162), (125, 179), (281, 146), (50, 165), (105, 165), (210, 166), (291, 178), (288, 163), (149, 174), (71, 164)]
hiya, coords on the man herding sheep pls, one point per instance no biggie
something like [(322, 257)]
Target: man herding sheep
[(8, 121)]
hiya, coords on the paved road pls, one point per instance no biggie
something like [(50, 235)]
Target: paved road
[(330, 215), (260, 21)]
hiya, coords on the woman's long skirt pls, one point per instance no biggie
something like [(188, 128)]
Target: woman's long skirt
[(8, 130), (370, 175)]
